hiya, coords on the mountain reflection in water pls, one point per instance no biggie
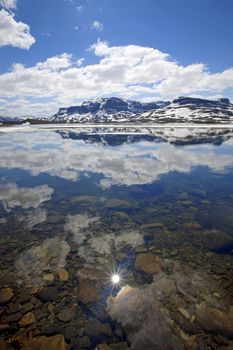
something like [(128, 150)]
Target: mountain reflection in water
[(155, 205)]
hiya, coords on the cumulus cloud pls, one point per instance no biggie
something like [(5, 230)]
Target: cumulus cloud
[(55, 63), (11, 196), (50, 255), (97, 25), (14, 33), (8, 4), (128, 164), (129, 71)]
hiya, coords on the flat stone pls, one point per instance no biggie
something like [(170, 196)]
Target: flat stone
[(88, 290), (63, 275), (67, 314), (13, 318), (103, 347), (4, 345), (27, 307), (152, 225), (119, 346), (27, 320), (48, 277), (83, 343), (13, 308), (95, 327), (57, 342), (51, 329), (71, 332), (24, 297), (215, 321), (21, 338), (148, 263), (6, 295), (48, 294)]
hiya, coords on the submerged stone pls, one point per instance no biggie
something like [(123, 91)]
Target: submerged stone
[(148, 263), (215, 321), (63, 275), (6, 295), (27, 320), (56, 342)]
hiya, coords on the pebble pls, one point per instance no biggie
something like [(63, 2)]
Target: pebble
[(63, 275), (6, 295), (27, 320)]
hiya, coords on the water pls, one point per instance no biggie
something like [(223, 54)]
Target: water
[(156, 207)]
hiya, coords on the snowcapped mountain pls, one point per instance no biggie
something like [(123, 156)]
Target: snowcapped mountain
[(106, 110), (124, 135), (116, 110), (191, 110)]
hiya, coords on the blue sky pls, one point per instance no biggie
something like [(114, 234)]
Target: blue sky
[(56, 53)]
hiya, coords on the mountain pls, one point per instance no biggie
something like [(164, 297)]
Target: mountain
[(191, 110), (124, 135), (116, 110), (106, 110)]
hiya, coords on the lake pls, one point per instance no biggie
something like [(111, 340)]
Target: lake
[(153, 208)]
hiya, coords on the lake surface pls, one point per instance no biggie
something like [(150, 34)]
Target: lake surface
[(154, 207)]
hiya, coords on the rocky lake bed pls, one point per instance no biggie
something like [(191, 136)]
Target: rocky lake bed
[(74, 212)]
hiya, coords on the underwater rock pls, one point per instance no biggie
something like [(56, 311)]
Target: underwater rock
[(48, 277), (148, 263), (215, 321), (48, 294), (217, 241), (6, 295), (49, 255), (118, 203), (56, 342), (88, 290), (27, 320), (21, 338), (4, 345), (63, 275), (152, 225), (66, 314), (95, 327)]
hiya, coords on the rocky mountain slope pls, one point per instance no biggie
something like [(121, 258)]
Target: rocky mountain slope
[(191, 110), (115, 110), (106, 110)]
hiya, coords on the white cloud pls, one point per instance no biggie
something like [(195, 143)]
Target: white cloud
[(76, 28), (14, 33), (8, 4), (79, 8), (127, 165), (55, 63), (11, 196), (97, 25), (129, 71)]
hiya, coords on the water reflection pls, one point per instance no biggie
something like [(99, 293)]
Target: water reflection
[(154, 205)]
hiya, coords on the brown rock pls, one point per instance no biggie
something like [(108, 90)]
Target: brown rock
[(57, 342), (215, 321), (6, 295), (4, 345), (22, 338), (148, 263), (27, 320), (88, 291), (103, 347), (63, 275), (66, 314), (95, 327), (119, 346)]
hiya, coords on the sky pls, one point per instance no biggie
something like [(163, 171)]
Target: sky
[(58, 53)]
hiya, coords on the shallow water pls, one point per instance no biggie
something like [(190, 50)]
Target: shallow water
[(157, 207)]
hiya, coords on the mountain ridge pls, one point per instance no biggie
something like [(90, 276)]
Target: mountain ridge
[(118, 110)]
